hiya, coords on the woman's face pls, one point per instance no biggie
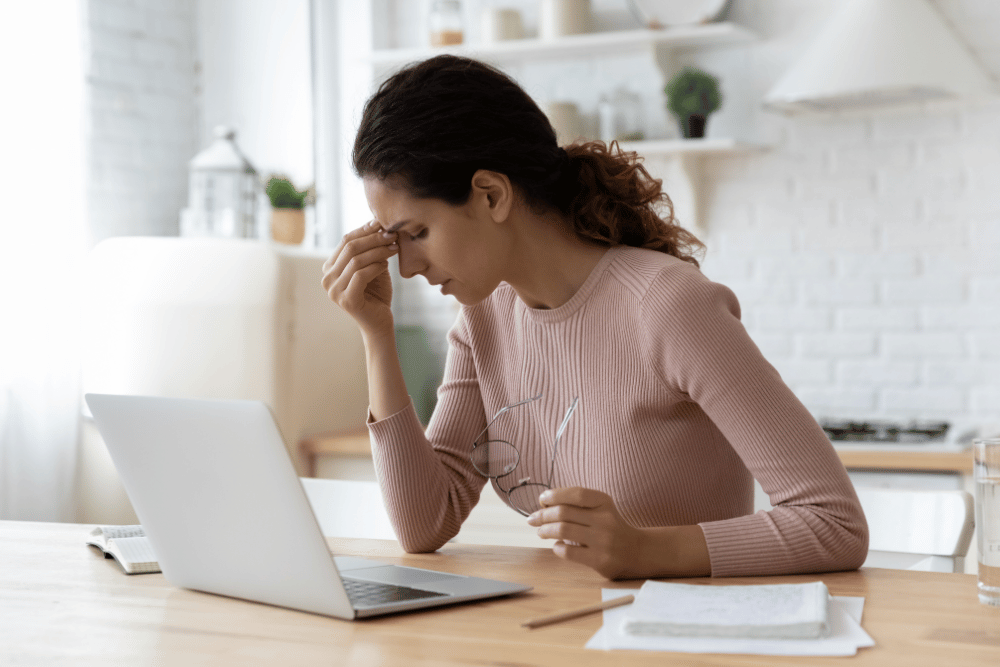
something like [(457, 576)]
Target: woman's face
[(451, 246)]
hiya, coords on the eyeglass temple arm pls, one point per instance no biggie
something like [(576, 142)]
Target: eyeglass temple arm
[(503, 410), (555, 446)]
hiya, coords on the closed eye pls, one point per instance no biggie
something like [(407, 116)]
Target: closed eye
[(422, 234)]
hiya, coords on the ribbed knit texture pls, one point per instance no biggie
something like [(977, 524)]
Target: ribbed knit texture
[(678, 412)]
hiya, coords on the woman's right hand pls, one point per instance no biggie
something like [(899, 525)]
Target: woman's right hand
[(357, 276)]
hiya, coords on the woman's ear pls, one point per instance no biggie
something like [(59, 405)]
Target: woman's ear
[(494, 192)]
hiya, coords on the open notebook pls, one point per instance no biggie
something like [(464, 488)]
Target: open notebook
[(126, 544)]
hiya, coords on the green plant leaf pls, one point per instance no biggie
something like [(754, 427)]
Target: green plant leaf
[(693, 92), (283, 194)]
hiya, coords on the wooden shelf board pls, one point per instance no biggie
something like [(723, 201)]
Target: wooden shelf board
[(708, 146), (574, 46)]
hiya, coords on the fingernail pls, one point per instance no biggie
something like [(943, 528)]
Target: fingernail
[(387, 235), (393, 246), (545, 497)]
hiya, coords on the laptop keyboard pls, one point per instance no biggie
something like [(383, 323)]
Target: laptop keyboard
[(370, 593)]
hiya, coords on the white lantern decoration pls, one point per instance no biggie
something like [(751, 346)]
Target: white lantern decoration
[(222, 192)]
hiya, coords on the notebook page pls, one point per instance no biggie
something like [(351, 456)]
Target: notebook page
[(115, 532), (135, 550)]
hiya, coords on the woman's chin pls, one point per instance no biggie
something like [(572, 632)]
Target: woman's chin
[(467, 299)]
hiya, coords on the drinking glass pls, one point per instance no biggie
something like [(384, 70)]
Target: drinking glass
[(986, 472)]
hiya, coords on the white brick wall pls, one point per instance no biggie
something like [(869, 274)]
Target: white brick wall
[(909, 319), (143, 114), (877, 372)]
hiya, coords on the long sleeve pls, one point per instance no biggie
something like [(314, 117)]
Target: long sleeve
[(703, 352), (427, 480)]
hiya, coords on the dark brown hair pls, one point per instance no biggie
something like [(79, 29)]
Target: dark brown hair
[(437, 122)]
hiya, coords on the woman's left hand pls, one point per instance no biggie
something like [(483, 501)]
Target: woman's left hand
[(590, 531)]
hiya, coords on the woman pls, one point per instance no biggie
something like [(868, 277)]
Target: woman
[(575, 293)]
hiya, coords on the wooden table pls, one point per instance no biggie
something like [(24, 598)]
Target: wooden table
[(61, 603)]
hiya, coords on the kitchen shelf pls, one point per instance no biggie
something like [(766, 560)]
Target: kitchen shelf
[(693, 147), (616, 42), (679, 165), (677, 161)]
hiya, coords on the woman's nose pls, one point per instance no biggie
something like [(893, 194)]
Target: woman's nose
[(410, 261)]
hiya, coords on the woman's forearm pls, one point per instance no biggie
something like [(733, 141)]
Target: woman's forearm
[(674, 551), (591, 531), (387, 392)]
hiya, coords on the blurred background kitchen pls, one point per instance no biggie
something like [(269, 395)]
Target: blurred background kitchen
[(855, 211)]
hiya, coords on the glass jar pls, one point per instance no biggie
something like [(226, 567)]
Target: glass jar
[(620, 116), (445, 22)]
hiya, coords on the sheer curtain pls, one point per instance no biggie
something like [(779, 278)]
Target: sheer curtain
[(42, 240)]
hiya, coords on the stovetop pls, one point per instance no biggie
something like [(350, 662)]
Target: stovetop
[(885, 431)]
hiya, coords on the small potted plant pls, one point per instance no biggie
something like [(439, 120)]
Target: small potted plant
[(692, 95), (288, 220)]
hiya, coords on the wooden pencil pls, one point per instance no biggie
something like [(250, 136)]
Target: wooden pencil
[(576, 613)]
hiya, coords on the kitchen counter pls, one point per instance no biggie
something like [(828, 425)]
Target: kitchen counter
[(893, 458)]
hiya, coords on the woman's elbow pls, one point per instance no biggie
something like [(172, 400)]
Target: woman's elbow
[(418, 542), (854, 552), (851, 549), (418, 548)]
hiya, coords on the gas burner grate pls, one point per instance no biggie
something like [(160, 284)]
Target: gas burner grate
[(885, 431)]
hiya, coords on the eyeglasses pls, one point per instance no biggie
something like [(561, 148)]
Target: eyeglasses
[(498, 458)]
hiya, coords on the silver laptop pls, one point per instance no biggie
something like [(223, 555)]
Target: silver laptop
[(225, 513)]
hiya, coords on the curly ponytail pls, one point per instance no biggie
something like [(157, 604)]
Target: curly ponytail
[(619, 203), (437, 122)]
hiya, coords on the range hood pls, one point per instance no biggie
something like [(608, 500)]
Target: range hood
[(880, 53)]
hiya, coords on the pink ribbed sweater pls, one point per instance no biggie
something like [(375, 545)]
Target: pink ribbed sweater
[(678, 412)]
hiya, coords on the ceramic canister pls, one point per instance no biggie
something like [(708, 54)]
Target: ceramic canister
[(559, 18), (499, 25)]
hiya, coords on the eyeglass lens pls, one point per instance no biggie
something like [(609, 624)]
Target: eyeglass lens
[(495, 458), (499, 458)]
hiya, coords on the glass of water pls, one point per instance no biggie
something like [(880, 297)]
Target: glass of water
[(986, 472)]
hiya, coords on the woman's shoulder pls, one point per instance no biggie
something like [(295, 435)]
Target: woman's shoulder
[(644, 271), (670, 288)]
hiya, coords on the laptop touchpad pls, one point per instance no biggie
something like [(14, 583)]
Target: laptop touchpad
[(402, 576)]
